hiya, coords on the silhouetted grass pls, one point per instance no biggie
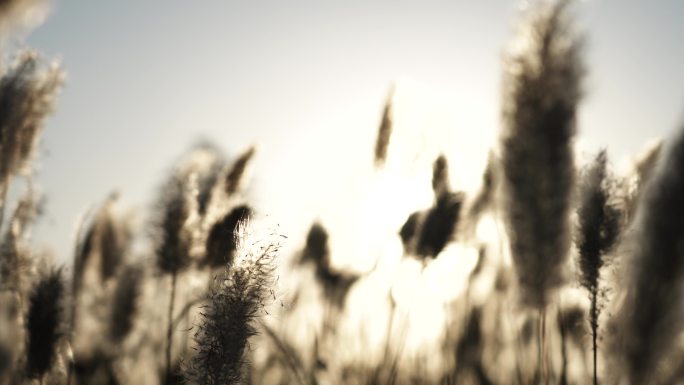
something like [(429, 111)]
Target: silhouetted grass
[(542, 88), (27, 93), (384, 132), (598, 227), (229, 318), (324, 321), (44, 324), (235, 175), (221, 244), (649, 316), (426, 233), (175, 239), (125, 303)]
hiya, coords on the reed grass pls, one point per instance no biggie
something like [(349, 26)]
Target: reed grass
[(384, 132), (27, 92), (235, 302), (598, 229), (648, 317), (324, 322), (44, 324), (542, 89)]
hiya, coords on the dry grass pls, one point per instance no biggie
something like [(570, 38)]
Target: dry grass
[(214, 301)]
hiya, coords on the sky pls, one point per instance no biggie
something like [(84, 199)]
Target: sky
[(306, 82)]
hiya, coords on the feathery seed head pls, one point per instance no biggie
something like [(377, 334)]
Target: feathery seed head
[(598, 221), (316, 249), (384, 132), (221, 242), (236, 173), (125, 302), (542, 88), (175, 235), (235, 301), (44, 324), (440, 175), (649, 311), (27, 93), (106, 243), (14, 252)]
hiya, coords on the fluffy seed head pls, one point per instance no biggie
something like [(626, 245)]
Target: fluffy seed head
[(14, 253), (221, 242), (236, 173), (125, 303), (174, 234), (598, 221), (27, 94), (649, 308), (44, 324), (384, 132), (542, 88), (316, 249), (234, 304)]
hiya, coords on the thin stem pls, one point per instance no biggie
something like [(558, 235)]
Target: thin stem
[(289, 355), (72, 329), (594, 326), (70, 370), (388, 335), (564, 349), (3, 194), (537, 374), (546, 366), (541, 376), (169, 334)]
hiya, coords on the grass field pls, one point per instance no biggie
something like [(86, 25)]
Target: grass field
[(553, 271)]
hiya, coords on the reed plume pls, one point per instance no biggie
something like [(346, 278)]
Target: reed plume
[(426, 233), (441, 221), (125, 303), (598, 226), (335, 284), (235, 175), (44, 324), (648, 317), (440, 175), (221, 243), (541, 92), (27, 92), (81, 258), (175, 238), (384, 132), (114, 245), (316, 249), (14, 253), (106, 242), (230, 317)]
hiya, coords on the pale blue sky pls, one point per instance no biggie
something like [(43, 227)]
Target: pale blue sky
[(307, 80)]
